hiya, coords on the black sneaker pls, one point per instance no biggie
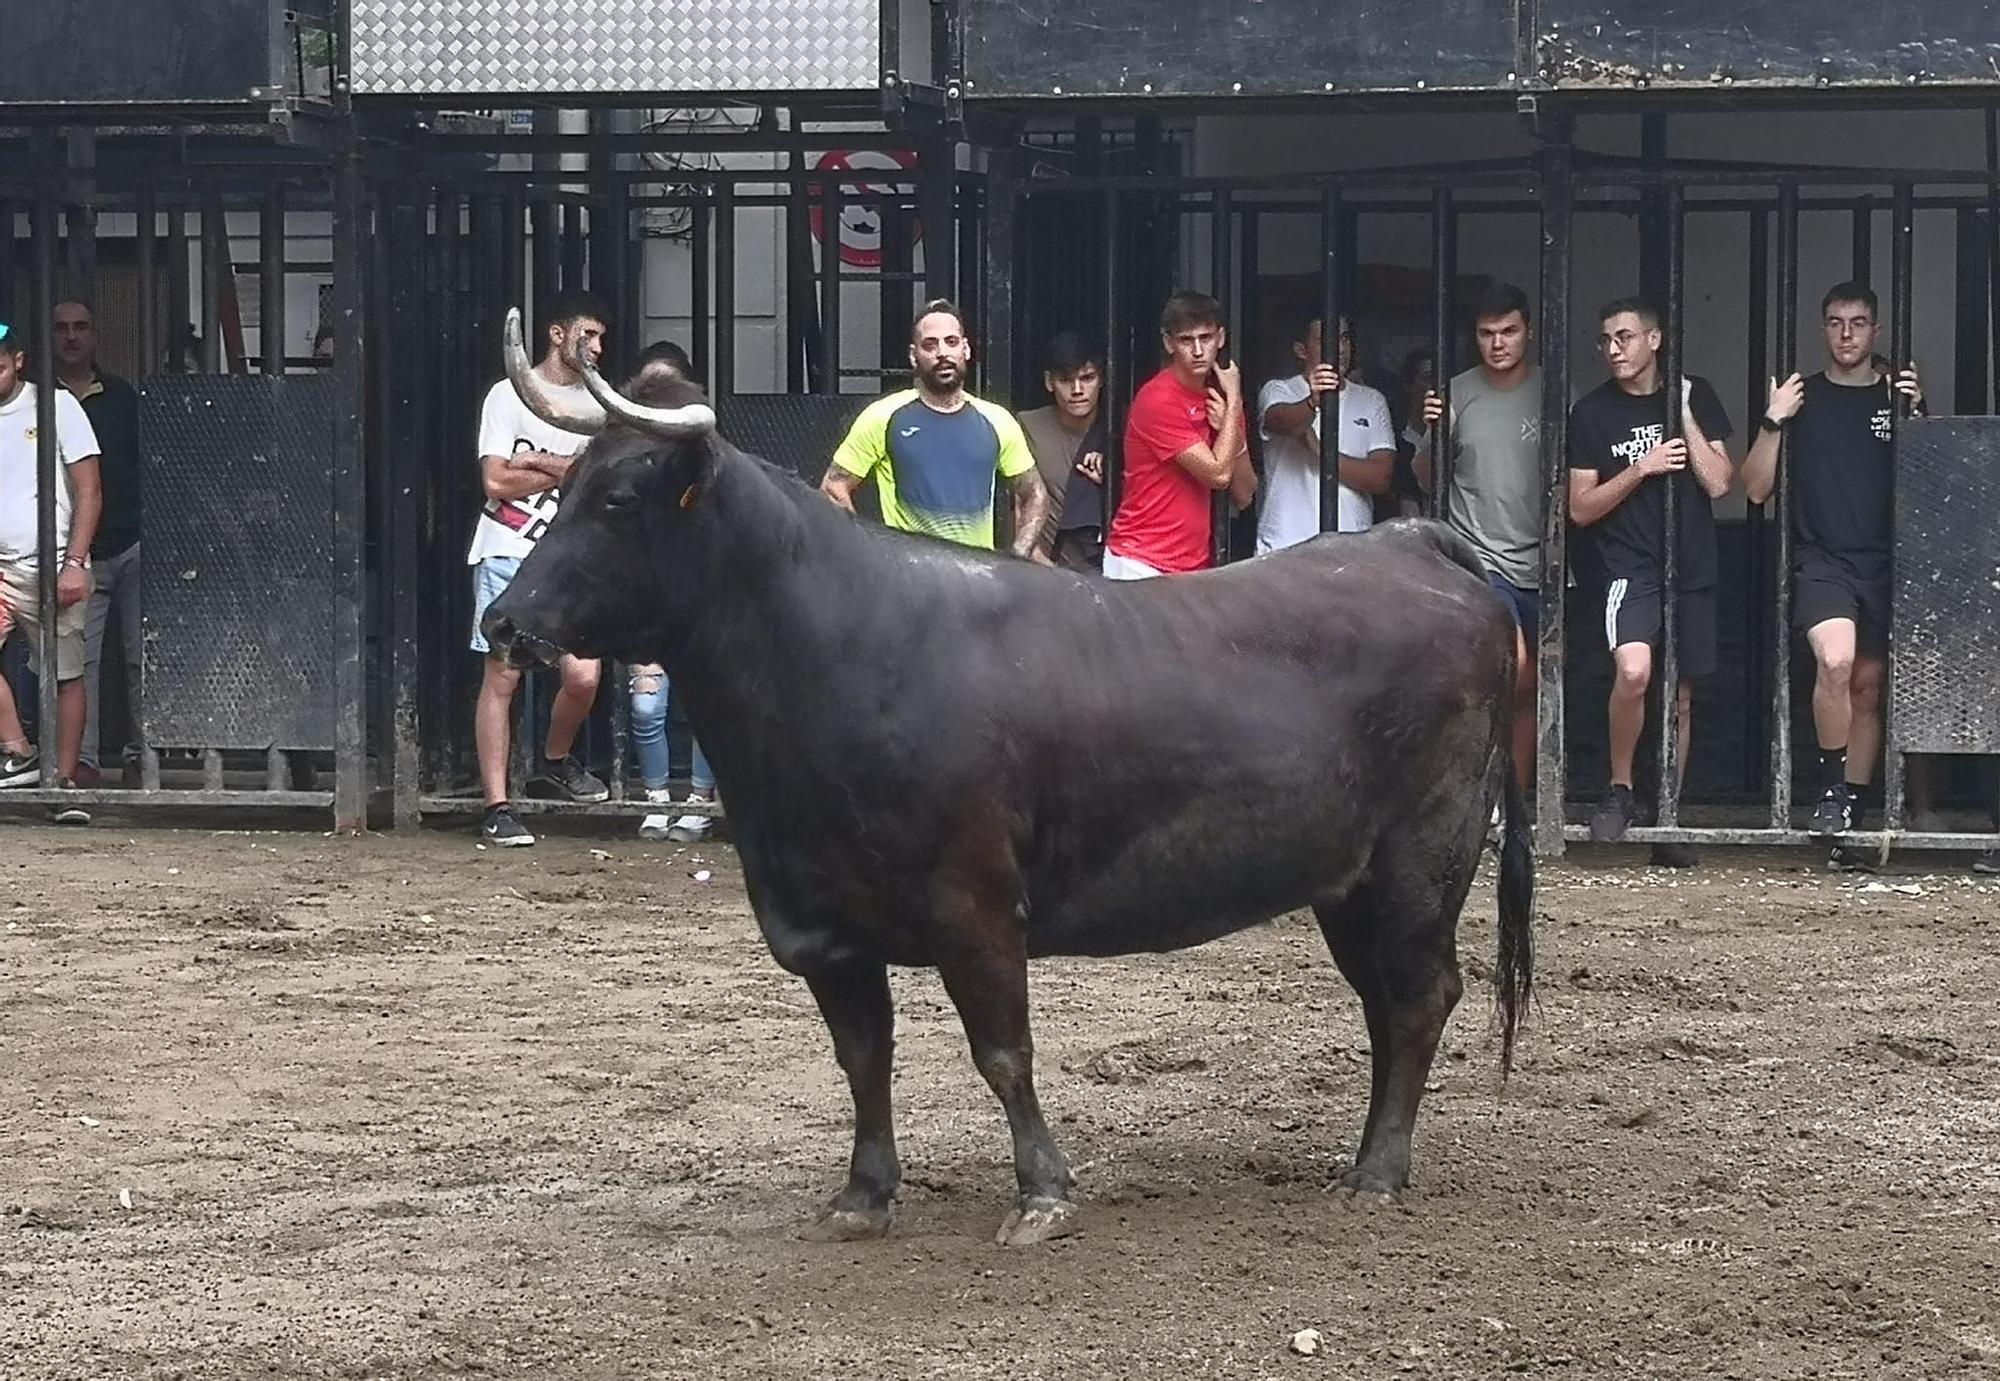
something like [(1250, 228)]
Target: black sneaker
[(1988, 863), (70, 812), (503, 829), (1845, 858), (566, 779), (1614, 815), (1675, 856), (20, 769), (1835, 814)]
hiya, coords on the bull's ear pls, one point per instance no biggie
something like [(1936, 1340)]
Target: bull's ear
[(690, 467)]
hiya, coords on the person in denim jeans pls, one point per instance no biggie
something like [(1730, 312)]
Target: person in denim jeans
[(649, 740)]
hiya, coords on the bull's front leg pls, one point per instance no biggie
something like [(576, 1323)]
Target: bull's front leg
[(854, 998), (983, 959)]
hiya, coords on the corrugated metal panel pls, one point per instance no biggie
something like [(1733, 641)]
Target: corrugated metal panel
[(558, 47)]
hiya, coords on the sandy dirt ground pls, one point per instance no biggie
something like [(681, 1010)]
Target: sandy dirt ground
[(279, 1105)]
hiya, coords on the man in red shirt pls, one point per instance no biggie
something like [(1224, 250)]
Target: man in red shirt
[(1185, 438)]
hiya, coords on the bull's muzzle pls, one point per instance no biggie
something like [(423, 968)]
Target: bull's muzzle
[(514, 645)]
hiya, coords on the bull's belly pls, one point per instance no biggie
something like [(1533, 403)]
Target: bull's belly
[(1153, 904)]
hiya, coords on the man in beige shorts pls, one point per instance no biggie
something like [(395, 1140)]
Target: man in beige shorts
[(77, 503)]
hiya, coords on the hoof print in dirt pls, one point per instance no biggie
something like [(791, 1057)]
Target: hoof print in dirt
[(848, 1225), (1037, 1220)]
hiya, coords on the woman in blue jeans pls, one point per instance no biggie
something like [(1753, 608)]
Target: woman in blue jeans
[(649, 739)]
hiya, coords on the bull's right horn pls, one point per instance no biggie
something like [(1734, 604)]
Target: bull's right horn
[(686, 420), (571, 414)]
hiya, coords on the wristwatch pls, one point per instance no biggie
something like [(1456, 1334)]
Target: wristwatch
[(1768, 423)]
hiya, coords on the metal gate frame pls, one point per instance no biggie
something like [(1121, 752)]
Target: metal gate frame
[(1565, 183)]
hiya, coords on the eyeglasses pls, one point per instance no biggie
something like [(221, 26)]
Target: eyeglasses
[(1623, 340)]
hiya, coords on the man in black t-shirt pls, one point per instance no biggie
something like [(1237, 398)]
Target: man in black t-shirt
[(1622, 471), (1842, 492)]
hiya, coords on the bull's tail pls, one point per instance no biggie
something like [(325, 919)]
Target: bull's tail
[(1514, 966)]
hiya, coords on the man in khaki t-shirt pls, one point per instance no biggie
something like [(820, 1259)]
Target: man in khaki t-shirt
[(1497, 497), (1067, 440)]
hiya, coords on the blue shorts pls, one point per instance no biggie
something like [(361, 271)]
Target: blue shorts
[(1524, 605), (492, 575)]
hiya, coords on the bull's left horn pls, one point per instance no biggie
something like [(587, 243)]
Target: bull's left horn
[(682, 421), (571, 414)]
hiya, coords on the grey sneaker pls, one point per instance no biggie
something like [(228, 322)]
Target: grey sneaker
[(692, 829), (1988, 862), (20, 769), (566, 779), (657, 826), (70, 812), (503, 829), (1835, 814)]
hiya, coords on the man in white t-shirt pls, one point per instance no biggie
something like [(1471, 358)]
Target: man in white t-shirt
[(78, 501), (1288, 420), (523, 462)]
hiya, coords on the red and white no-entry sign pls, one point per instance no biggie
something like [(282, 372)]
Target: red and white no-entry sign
[(860, 214)]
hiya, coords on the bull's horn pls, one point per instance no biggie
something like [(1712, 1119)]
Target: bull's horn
[(571, 414), (682, 421)]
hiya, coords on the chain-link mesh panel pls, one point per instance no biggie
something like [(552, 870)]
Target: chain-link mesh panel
[(237, 584), (796, 430), (1945, 668)]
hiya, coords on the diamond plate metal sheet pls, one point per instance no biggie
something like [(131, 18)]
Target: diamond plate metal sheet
[(559, 47), (237, 588), (1945, 648)]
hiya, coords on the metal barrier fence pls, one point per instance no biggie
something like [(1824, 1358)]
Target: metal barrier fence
[(1557, 188)]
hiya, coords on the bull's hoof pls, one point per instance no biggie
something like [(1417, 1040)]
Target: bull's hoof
[(1036, 1220), (1362, 1189), (849, 1225)]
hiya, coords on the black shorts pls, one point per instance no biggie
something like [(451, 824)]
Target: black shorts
[(1822, 591), (1632, 614)]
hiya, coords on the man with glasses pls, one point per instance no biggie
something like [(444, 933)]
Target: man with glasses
[(1842, 489), (1621, 464)]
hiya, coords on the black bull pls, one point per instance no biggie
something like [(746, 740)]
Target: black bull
[(939, 757)]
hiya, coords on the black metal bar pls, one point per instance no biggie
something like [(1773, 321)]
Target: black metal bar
[(81, 152), (575, 245), (47, 476), (146, 230), (1969, 317), (397, 465), (1993, 247), (175, 356), (937, 177), (350, 492), (801, 350), (1004, 294), (1673, 227), (514, 261), (271, 279), (725, 290), (274, 770), (1332, 221), (1863, 267), (544, 261), (1444, 271), (700, 269), (1116, 384), (1551, 757), (1222, 280), (1902, 302), (830, 211), (211, 769), (895, 306), (968, 217), (1787, 347), (7, 259), (214, 264), (1757, 607)]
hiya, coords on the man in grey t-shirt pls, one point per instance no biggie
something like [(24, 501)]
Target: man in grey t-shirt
[(1496, 497)]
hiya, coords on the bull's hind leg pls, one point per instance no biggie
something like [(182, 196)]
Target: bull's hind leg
[(985, 970), (854, 998), (1394, 938)]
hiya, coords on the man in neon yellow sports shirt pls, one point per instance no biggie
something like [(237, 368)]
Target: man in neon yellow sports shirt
[(933, 450)]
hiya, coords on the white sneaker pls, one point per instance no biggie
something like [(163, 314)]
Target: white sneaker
[(657, 826), (692, 829)]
